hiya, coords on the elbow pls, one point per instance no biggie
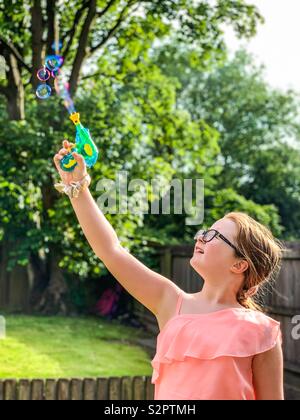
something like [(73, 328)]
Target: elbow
[(109, 253)]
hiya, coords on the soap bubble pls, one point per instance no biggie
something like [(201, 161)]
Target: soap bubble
[(55, 73), (43, 74), (56, 45), (53, 62), (43, 91)]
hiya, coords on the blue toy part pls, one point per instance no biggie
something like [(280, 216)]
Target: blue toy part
[(68, 163)]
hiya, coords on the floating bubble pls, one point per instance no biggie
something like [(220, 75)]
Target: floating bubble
[(43, 91), (43, 74), (53, 62), (56, 45), (55, 73)]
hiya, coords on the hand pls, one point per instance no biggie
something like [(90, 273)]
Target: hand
[(80, 169)]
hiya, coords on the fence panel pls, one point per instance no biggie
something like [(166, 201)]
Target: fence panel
[(113, 388)]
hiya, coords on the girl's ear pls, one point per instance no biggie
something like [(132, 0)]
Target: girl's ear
[(240, 266)]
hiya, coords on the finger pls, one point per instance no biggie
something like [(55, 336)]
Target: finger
[(79, 159), (57, 158), (63, 152), (66, 144)]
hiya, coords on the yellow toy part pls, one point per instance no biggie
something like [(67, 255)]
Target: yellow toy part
[(70, 164), (75, 118), (88, 150)]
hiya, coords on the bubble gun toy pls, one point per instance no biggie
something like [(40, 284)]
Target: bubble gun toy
[(84, 145)]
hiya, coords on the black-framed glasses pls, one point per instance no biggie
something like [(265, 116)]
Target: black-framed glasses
[(209, 235)]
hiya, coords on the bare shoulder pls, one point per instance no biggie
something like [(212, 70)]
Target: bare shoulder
[(168, 304)]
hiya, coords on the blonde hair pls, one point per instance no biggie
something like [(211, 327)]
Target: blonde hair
[(262, 251)]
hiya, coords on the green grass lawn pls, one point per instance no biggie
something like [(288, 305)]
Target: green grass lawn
[(52, 347)]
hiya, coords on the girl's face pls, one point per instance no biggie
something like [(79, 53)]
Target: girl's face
[(218, 257)]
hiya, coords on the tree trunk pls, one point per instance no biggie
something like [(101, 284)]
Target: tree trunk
[(52, 300), (15, 90), (39, 275), (50, 288), (82, 45), (14, 284), (37, 39)]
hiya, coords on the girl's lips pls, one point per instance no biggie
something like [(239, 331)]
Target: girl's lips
[(199, 251)]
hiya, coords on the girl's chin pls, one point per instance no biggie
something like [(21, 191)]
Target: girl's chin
[(195, 259)]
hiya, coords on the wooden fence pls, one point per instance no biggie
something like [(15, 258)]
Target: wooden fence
[(15, 285), (282, 301), (113, 388)]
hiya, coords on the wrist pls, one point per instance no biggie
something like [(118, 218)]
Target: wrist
[(74, 188), (79, 179)]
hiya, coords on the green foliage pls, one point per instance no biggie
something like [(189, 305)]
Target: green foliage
[(137, 127), (259, 132), (143, 112), (275, 178), (228, 200)]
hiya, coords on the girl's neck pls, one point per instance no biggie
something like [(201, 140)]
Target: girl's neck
[(217, 297)]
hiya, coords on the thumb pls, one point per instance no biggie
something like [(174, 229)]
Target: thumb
[(79, 159)]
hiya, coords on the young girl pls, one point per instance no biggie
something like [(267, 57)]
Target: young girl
[(214, 344)]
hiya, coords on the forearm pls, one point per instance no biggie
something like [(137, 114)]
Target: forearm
[(96, 228)]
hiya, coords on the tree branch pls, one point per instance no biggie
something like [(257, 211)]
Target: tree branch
[(81, 50), (106, 8), (15, 89), (37, 36), (9, 47), (50, 24), (114, 28), (100, 73), (70, 34)]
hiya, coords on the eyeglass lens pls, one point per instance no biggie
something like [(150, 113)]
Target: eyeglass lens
[(205, 235)]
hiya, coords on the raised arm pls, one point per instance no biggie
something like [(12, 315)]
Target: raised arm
[(145, 285)]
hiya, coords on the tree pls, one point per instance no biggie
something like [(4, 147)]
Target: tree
[(259, 128), (137, 128), (28, 30), (93, 33)]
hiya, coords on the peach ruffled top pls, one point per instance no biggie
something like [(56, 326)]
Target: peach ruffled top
[(209, 356)]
